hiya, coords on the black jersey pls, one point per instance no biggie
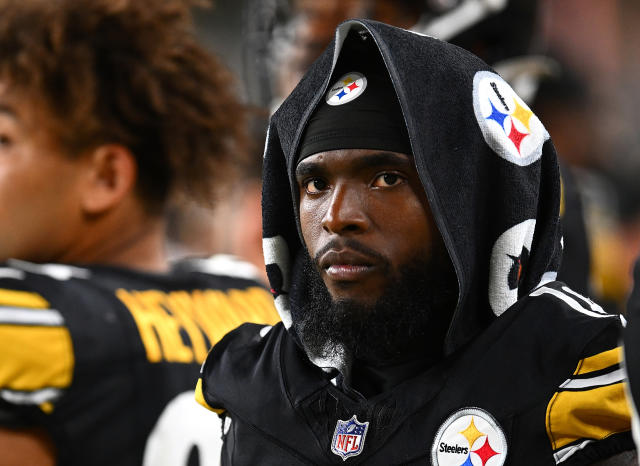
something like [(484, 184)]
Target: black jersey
[(526, 392), (106, 358), (526, 371)]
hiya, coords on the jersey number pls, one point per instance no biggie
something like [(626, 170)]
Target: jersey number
[(186, 434)]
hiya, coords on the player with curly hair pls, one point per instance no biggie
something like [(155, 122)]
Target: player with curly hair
[(108, 109)]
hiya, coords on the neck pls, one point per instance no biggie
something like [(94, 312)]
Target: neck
[(129, 239)]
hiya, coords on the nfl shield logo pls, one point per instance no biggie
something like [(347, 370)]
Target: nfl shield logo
[(348, 438)]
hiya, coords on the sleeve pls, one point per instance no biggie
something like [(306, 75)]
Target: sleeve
[(588, 418), (36, 355), (632, 352)]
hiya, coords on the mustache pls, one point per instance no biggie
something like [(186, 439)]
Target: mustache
[(348, 243)]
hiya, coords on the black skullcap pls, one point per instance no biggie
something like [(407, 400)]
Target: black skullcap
[(360, 110)]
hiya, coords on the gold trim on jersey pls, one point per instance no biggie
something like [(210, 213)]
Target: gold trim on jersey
[(14, 298), (589, 408), (163, 318), (35, 357), (600, 361), (200, 399)]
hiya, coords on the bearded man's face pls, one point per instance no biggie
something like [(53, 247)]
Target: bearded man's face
[(375, 256)]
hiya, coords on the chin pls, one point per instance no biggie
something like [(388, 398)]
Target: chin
[(357, 300), (355, 292)]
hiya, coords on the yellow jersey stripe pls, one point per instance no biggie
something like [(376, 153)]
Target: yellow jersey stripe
[(599, 361), (14, 298), (34, 357), (200, 398), (588, 414)]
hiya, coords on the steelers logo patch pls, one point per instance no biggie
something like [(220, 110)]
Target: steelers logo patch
[(509, 258), (469, 437), (349, 87), (509, 127)]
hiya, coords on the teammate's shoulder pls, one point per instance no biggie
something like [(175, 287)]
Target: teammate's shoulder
[(25, 286), (23, 274), (37, 360), (220, 267)]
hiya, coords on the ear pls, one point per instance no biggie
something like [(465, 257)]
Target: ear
[(111, 173)]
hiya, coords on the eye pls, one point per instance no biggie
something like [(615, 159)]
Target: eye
[(315, 186), (387, 180), (5, 140)]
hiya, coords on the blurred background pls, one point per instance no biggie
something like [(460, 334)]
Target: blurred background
[(576, 62)]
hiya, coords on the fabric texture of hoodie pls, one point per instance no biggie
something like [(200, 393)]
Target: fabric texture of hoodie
[(490, 174)]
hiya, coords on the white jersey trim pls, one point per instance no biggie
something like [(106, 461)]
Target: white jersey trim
[(598, 381), (60, 272), (30, 398), (22, 316), (563, 454), (8, 272), (228, 266), (594, 307), (570, 301)]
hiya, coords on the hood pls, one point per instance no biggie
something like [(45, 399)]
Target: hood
[(487, 165)]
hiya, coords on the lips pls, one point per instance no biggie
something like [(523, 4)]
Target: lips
[(346, 265)]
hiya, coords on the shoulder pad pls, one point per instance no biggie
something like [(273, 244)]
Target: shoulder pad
[(589, 413), (36, 359), (244, 360)]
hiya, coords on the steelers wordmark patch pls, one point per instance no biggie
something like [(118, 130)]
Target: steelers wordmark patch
[(346, 89), (469, 437), (508, 125)]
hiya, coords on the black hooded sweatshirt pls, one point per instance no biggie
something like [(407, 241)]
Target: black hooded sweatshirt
[(529, 372)]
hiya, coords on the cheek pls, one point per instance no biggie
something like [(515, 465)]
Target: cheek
[(408, 226), (310, 223)]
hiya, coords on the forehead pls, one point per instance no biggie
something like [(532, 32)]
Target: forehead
[(7, 101), (344, 160), (28, 109)]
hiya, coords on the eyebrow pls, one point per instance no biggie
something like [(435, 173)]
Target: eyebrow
[(377, 159), (8, 110)]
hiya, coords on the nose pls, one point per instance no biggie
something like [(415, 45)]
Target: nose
[(346, 211)]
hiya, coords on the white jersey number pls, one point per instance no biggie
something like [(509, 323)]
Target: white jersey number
[(183, 425)]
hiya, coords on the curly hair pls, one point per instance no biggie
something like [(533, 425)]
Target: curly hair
[(129, 72)]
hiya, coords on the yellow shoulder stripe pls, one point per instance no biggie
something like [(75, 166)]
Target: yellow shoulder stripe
[(200, 398), (35, 357), (591, 414), (600, 361), (16, 298)]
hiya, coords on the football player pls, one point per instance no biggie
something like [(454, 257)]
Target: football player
[(106, 110), (411, 234)]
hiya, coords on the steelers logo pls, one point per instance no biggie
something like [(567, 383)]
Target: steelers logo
[(469, 437), (509, 127), (509, 258), (346, 89)]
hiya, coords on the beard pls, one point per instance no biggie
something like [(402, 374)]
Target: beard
[(409, 320)]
